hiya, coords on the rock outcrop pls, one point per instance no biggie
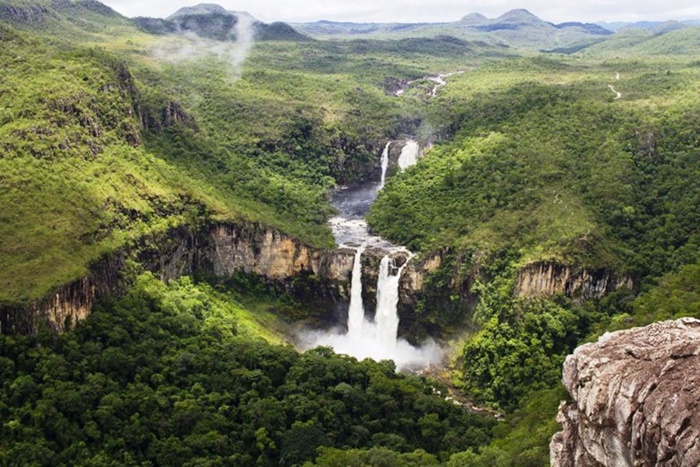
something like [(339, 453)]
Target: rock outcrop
[(548, 278), (635, 399), (221, 250), (260, 251), (67, 305)]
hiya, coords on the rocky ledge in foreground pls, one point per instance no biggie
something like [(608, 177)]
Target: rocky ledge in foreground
[(635, 399)]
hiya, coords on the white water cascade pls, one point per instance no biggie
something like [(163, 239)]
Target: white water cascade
[(385, 164), (387, 317), (378, 339), (409, 155), (356, 313), (365, 338)]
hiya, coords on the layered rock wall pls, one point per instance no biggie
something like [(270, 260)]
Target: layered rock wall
[(548, 278), (221, 250), (635, 399)]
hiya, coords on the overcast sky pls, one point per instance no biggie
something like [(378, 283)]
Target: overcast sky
[(556, 11)]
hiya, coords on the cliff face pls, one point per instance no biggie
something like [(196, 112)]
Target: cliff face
[(635, 399), (546, 278), (68, 304), (259, 251), (220, 250), (312, 275), (264, 252)]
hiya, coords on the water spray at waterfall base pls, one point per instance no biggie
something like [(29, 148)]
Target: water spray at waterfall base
[(377, 339), (364, 338)]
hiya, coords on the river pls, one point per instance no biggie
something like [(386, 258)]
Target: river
[(365, 337)]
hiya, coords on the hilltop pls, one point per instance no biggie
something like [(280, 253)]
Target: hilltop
[(215, 22), (516, 28)]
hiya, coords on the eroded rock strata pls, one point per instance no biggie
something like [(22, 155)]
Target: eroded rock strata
[(635, 399), (547, 278)]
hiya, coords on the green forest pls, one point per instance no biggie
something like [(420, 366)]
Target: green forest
[(113, 135)]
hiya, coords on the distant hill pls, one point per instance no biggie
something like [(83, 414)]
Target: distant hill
[(328, 29), (517, 28), (639, 42), (655, 26), (90, 16), (66, 16), (215, 22)]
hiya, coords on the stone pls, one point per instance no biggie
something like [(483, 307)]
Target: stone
[(635, 399), (548, 278)]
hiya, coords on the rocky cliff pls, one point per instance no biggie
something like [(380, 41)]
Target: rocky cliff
[(548, 278), (257, 250), (635, 399), (221, 250)]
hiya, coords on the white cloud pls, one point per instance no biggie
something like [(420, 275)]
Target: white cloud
[(426, 11)]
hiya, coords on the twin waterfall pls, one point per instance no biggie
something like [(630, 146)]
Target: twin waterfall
[(378, 338), (385, 328), (387, 318), (356, 312)]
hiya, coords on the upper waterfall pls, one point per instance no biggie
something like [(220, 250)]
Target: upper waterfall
[(366, 338), (409, 155), (385, 164)]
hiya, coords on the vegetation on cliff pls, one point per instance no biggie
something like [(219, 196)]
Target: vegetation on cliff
[(540, 163), (110, 136), (173, 375)]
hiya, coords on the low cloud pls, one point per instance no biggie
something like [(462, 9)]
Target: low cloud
[(186, 46)]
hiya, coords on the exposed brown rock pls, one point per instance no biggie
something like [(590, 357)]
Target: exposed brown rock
[(635, 399), (549, 278), (415, 273)]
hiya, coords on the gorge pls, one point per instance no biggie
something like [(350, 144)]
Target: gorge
[(217, 248), (373, 335)]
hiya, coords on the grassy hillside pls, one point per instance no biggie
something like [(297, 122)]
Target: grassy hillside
[(547, 163), (110, 135), (93, 158), (645, 43)]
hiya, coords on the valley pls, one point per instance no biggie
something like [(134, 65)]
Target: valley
[(228, 242)]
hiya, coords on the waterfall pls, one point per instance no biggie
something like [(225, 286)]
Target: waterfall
[(356, 314), (409, 154), (387, 317), (377, 340), (385, 163), (363, 338)]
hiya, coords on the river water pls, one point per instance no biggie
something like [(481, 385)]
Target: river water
[(378, 338)]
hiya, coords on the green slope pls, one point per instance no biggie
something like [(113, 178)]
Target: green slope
[(547, 163), (645, 43), (111, 135)]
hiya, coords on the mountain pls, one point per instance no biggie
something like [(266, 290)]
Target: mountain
[(517, 28), (69, 18), (642, 42), (651, 25), (215, 22)]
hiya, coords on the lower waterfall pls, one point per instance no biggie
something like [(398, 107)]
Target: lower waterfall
[(377, 339), (365, 338), (356, 312), (386, 316)]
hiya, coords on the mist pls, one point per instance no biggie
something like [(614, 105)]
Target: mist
[(188, 46), (406, 356)]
